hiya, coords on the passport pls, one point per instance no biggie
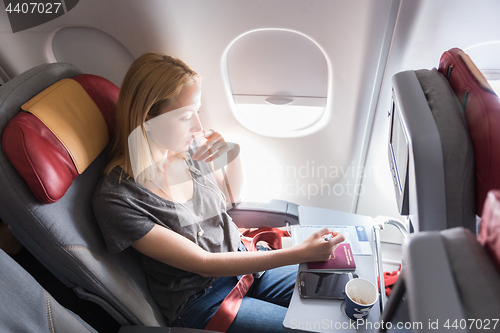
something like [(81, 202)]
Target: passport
[(340, 260)]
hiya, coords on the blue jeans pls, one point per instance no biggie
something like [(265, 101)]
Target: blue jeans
[(263, 309)]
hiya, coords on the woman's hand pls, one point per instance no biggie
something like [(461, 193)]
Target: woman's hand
[(316, 248), (214, 147), (169, 247)]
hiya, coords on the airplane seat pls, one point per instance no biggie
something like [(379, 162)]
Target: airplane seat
[(444, 165), (53, 154), (431, 153), (451, 278), (56, 124), (27, 307), (482, 112)]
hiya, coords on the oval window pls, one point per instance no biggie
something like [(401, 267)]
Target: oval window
[(278, 82)]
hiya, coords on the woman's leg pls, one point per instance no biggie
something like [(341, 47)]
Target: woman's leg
[(265, 306), (276, 285), (198, 312), (262, 310), (256, 315)]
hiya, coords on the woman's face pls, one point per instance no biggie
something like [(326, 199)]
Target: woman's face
[(175, 128)]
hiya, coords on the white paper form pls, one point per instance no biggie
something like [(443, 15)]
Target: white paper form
[(356, 236)]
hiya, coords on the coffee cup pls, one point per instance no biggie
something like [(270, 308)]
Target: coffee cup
[(360, 296)]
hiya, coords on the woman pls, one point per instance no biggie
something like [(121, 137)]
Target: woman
[(162, 195)]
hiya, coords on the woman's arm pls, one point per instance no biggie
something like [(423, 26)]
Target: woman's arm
[(210, 151), (175, 250)]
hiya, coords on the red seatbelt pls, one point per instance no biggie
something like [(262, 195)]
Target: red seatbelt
[(227, 311)]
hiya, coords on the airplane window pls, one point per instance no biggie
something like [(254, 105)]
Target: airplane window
[(287, 113), (277, 82)]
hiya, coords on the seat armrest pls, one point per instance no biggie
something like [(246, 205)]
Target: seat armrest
[(275, 213), (431, 289)]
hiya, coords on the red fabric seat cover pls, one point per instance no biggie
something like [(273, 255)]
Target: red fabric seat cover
[(482, 113)]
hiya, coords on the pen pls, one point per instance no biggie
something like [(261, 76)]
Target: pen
[(328, 237)]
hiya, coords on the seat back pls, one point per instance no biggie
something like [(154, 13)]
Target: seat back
[(61, 232), (448, 277), (434, 154), (29, 305)]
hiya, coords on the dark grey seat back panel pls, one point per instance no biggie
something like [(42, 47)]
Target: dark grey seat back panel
[(64, 235), (476, 277), (448, 276), (432, 294), (458, 151), (26, 307)]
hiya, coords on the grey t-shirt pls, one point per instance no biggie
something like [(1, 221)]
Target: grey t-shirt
[(126, 211)]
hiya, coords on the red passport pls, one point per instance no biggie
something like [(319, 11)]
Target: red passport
[(341, 260)]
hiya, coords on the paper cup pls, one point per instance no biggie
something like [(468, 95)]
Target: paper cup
[(360, 296)]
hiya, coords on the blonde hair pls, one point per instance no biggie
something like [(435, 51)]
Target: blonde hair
[(150, 85)]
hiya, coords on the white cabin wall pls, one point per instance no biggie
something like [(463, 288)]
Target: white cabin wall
[(425, 29)]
